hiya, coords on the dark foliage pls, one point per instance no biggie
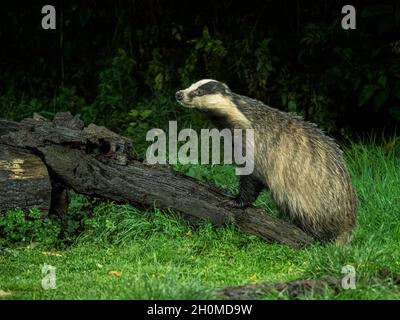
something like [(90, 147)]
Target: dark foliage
[(119, 63)]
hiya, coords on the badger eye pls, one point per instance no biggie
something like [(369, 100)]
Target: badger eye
[(198, 92)]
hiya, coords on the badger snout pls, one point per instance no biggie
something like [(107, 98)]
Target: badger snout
[(179, 96)]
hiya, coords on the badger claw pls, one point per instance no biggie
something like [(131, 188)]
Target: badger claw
[(236, 202)]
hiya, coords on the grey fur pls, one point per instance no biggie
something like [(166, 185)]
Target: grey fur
[(302, 168)]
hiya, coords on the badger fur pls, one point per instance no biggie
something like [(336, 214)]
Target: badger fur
[(302, 168)]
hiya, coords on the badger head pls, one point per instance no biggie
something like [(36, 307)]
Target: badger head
[(215, 99), (204, 94)]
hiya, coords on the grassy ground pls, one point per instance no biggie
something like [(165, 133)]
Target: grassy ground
[(160, 257)]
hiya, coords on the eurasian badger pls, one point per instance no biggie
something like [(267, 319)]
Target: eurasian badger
[(302, 168)]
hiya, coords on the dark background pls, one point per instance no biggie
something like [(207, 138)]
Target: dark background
[(119, 63)]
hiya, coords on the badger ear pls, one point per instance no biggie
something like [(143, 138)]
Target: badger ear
[(227, 90)]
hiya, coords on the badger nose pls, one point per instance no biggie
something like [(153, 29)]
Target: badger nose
[(179, 95)]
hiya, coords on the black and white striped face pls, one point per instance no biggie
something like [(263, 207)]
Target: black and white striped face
[(203, 94)]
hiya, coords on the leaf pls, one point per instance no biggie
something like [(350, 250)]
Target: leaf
[(4, 293), (206, 34), (52, 254), (145, 114), (115, 273), (376, 10), (366, 93), (292, 106), (133, 113), (32, 245), (98, 265), (178, 36), (253, 278), (199, 45), (382, 80), (381, 98)]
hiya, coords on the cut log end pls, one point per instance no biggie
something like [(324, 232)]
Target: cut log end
[(24, 180)]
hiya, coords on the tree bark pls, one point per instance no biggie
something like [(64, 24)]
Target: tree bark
[(97, 162), (294, 289)]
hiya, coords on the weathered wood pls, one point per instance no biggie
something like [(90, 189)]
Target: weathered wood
[(97, 162), (24, 180), (294, 289), (297, 288)]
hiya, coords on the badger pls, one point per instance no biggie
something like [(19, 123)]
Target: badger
[(302, 168)]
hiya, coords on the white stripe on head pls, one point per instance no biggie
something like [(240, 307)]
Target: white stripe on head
[(217, 102), (197, 84)]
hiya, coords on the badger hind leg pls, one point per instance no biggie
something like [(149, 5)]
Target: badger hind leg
[(344, 238)]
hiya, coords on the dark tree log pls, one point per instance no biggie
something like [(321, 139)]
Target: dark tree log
[(97, 162), (294, 289), (297, 288)]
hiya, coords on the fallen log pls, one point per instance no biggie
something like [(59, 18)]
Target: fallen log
[(297, 288), (294, 289), (97, 162)]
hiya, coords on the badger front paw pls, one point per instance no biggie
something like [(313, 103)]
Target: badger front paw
[(237, 202)]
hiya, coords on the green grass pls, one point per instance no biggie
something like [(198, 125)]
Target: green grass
[(161, 257)]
